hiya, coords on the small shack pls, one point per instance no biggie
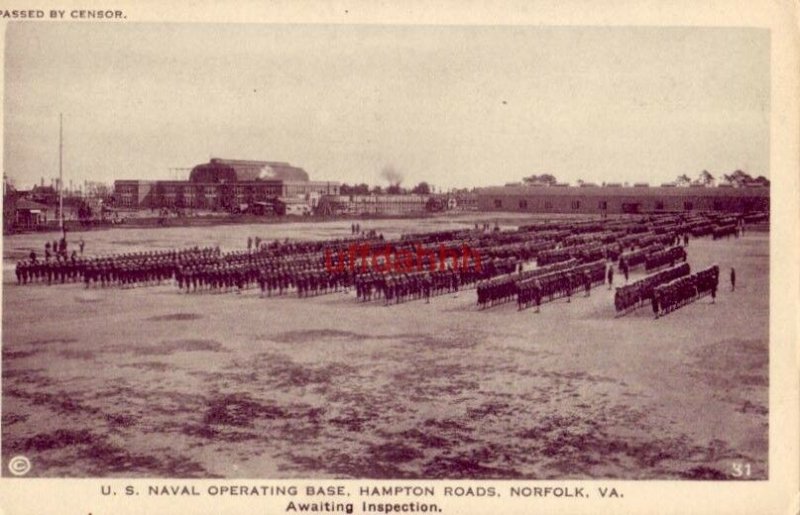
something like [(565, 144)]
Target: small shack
[(292, 206), (29, 214)]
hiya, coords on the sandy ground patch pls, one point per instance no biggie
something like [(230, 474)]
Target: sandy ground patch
[(150, 382)]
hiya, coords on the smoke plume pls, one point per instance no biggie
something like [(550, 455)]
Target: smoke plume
[(392, 175)]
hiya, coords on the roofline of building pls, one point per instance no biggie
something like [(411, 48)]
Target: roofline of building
[(24, 203), (621, 191), (239, 183), (222, 160)]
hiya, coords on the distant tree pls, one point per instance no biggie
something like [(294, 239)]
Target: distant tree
[(545, 178), (8, 185), (739, 178), (346, 189), (361, 189), (580, 182), (376, 190), (84, 212), (548, 179), (422, 188), (683, 180), (435, 204), (99, 191), (10, 197), (761, 180), (394, 189), (705, 178)]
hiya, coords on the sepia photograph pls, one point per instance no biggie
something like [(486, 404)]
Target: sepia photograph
[(281, 251), (395, 252)]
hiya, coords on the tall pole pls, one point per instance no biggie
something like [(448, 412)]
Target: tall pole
[(61, 170)]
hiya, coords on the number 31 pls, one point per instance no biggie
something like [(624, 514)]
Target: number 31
[(740, 469)]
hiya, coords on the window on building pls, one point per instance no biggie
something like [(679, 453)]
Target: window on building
[(498, 202), (603, 204), (576, 204), (659, 205), (687, 206), (523, 204)]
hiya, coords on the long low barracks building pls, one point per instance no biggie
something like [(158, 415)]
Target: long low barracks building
[(622, 199)]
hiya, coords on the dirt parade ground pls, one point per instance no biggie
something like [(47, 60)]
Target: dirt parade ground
[(153, 382)]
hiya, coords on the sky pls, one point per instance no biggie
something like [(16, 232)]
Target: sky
[(455, 106)]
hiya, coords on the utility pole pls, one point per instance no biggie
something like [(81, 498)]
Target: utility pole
[(61, 170)]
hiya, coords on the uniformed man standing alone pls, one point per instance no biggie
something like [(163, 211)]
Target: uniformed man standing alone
[(714, 292), (654, 304), (587, 283)]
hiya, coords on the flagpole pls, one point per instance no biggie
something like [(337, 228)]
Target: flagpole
[(61, 170)]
